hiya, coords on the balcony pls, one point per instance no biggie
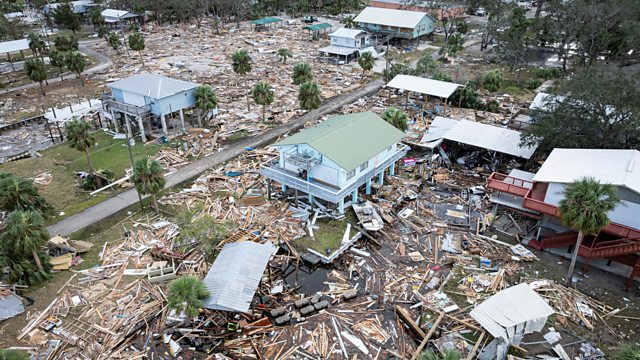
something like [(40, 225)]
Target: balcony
[(302, 160), (325, 192), (108, 102), (509, 184)]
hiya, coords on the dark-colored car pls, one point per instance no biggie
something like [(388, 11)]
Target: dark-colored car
[(309, 19)]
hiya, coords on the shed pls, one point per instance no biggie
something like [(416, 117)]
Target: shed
[(261, 23), (489, 137), (430, 87), (115, 16), (512, 313), (317, 27), (235, 275), (14, 46)]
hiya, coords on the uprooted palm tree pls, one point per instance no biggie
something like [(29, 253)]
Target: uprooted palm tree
[(80, 138), (241, 63), (584, 207), (148, 178), (284, 54), (309, 96), (263, 95), (18, 194), (397, 118), (366, 62), (206, 100), (302, 73), (186, 294)]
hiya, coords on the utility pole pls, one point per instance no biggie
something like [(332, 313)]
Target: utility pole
[(131, 158)]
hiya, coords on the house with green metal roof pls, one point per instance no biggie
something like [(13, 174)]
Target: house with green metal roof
[(332, 160)]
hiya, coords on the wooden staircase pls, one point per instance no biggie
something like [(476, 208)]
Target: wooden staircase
[(608, 249), (556, 241)]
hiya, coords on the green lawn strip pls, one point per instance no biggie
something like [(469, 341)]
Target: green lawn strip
[(64, 192)]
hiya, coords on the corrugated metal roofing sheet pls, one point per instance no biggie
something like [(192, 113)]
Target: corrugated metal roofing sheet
[(348, 140), (616, 167), (234, 276), (347, 33), (316, 27), (267, 20), (152, 85), (441, 89), (517, 305), (10, 306), (390, 17), (14, 46), (489, 137)]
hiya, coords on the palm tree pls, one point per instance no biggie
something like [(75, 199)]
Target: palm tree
[(206, 100), (186, 294), (36, 72), (284, 54), (348, 22), (263, 95), (148, 177), (302, 73), (103, 32), (114, 41), (23, 234), (80, 138), (58, 60), (20, 194), (241, 62), (309, 96), (584, 207), (76, 63), (397, 118), (136, 43), (366, 62), (37, 44)]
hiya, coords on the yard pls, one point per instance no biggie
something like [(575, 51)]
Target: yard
[(328, 235), (64, 192)]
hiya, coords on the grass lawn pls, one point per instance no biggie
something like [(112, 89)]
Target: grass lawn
[(329, 235), (64, 192)]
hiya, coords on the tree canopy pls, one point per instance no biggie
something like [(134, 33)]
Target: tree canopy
[(600, 111), (263, 95), (397, 118), (302, 73), (309, 96), (148, 178), (186, 294)]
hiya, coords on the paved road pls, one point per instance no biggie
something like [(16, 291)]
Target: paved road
[(191, 171), (103, 62)]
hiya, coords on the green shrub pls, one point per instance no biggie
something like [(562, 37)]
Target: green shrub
[(6, 354), (533, 84), (627, 352), (493, 106), (493, 80), (546, 73)]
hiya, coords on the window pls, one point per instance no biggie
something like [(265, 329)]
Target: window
[(351, 174), (364, 166)]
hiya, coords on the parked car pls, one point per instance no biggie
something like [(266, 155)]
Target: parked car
[(310, 19), (480, 12)]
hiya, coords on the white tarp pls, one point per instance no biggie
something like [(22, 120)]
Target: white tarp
[(235, 275), (489, 137), (512, 313), (441, 89)]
